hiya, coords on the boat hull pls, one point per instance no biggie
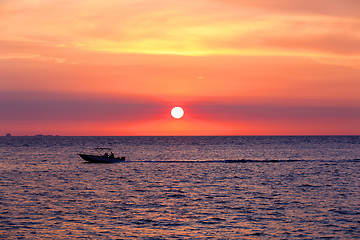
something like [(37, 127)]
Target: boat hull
[(100, 159)]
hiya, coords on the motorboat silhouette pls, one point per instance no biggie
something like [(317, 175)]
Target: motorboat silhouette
[(108, 157)]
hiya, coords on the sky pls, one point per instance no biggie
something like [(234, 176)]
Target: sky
[(236, 67)]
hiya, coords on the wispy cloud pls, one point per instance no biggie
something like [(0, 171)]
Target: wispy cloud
[(31, 56)]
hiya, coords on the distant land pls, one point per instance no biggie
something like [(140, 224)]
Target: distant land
[(42, 135), (37, 135)]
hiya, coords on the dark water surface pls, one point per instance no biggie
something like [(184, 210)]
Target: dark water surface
[(181, 188)]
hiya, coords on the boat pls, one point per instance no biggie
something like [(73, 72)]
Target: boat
[(108, 157)]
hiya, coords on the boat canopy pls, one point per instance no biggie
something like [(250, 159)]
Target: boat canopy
[(101, 149)]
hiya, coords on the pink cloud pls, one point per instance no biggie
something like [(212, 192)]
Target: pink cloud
[(40, 107), (343, 8)]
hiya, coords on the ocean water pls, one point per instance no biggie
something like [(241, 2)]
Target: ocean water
[(289, 187)]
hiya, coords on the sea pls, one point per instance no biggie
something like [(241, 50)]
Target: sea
[(183, 187)]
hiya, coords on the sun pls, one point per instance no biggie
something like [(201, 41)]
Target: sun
[(177, 112)]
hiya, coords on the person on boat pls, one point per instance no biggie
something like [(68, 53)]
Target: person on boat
[(106, 155), (111, 155)]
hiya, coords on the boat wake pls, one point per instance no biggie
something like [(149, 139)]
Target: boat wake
[(241, 161)]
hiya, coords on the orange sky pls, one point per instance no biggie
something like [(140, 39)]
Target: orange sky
[(237, 67)]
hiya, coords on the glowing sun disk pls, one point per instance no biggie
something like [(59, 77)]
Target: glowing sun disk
[(177, 112)]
